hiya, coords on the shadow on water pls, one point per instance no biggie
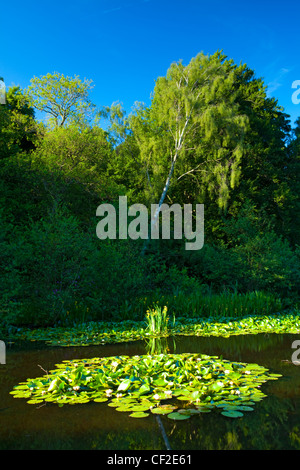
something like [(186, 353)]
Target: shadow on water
[(274, 424)]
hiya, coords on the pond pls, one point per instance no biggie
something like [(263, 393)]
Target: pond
[(273, 425)]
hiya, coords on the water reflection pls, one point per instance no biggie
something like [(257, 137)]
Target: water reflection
[(160, 345), (273, 425)]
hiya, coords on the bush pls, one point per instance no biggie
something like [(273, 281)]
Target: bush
[(254, 259), (56, 273)]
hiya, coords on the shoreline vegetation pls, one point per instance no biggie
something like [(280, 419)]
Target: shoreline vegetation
[(100, 333)]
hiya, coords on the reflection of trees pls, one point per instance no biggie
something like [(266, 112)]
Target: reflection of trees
[(266, 428), (232, 345)]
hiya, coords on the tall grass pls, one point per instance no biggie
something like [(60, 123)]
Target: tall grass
[(199, 304)]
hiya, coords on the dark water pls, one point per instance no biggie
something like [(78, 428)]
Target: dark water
[(273, 425)]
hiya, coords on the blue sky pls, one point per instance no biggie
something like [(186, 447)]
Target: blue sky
[(124, 45)]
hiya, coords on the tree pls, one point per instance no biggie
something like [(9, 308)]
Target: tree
[(74, 165), (292, 177), (18, 129), (193, 110), (65, 99)]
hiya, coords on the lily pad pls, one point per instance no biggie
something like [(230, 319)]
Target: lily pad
[(232, 414), (197, 379), (139, 414), (178, 416)]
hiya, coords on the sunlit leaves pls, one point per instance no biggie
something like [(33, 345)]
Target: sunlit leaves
[(194, 383), (94, 333), (61, 97)]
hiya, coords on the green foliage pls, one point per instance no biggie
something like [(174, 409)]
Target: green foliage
[(53, 271), (96, 333), (138, 384), (157, 320), (48, 258), (211, 135), (201, 305), (252, 257), (193, 118), (74, 164), (18, 130), (65, 99)]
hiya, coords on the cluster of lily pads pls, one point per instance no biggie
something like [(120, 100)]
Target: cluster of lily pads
[(97, 333), (176, 385)]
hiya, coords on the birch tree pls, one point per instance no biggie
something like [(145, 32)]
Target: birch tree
[(193, 109)]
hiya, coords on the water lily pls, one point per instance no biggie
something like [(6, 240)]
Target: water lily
[(149, 371)]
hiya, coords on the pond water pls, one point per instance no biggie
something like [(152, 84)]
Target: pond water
[(274, 424)]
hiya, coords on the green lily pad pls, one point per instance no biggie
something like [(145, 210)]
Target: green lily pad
[(232, 414), (131, 384), (202, 409), (139, 407), (189, 411), (178, 416), (139, 414), (124, 409), (160, 411)]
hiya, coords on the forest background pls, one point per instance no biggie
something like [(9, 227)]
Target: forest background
[(211, 135)]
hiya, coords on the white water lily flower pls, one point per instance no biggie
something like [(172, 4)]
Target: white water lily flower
[(220, 384), (119, 395), (227, 371), (76, 387), (114, 364), (156, 397), (108, 392), (247, 372), (168, 392)]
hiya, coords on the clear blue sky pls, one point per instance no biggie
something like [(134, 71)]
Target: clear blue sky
[(124, 45)]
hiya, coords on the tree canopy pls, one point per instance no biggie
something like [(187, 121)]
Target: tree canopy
[(63, 98)]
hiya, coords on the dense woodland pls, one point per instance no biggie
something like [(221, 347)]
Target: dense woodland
[(211, 136)]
